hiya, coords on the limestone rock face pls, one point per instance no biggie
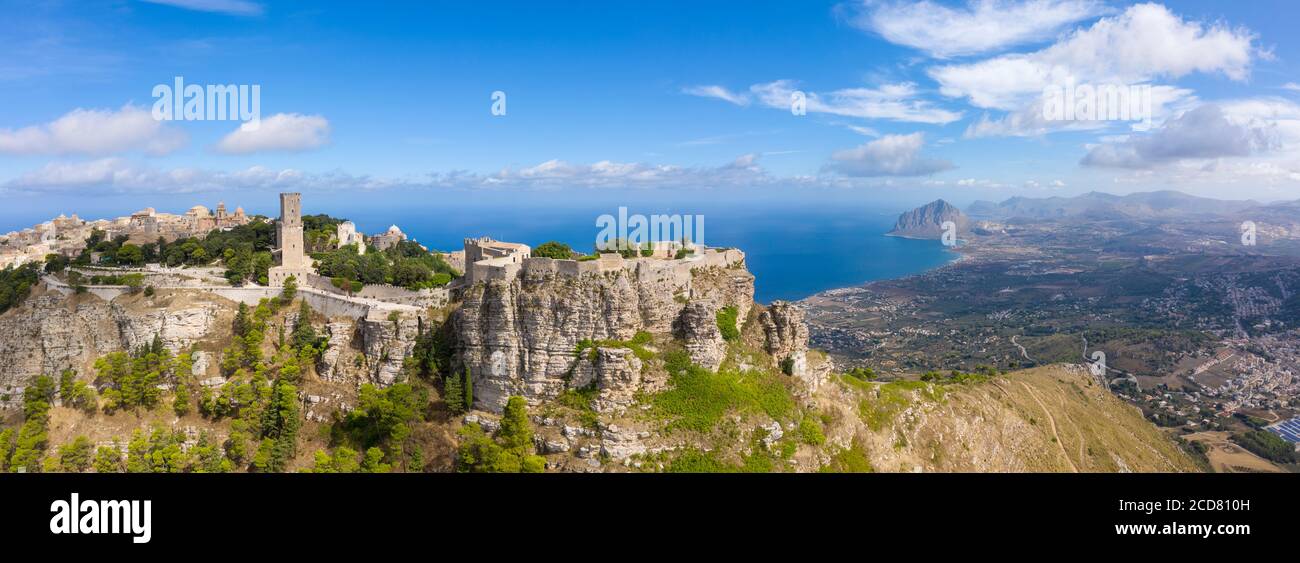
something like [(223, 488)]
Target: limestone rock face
[(387, 343), (518, 337), (618, 377), (177, 327), (334, 363), (49, 333), (698, 326), (786, 337)]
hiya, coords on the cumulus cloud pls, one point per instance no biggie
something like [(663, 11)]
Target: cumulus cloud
[(979, 27), (718, 92), (1144, 43), (891, 155), (95, 132), (229, 7), (1206, 132), (894, 102), (280, 132), (1028, 121)]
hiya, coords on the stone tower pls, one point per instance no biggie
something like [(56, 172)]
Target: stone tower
[(293, 261), (289, 231)]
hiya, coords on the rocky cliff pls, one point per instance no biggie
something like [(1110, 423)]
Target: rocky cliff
[(520, 337), (50, 332), (927, 221)]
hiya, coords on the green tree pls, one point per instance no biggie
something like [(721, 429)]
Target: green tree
[(74, 457), (468, 388), (510, 451), (290, 289), (373, 462), (453, 392), (553, 249), (129, 255), (108, 459)]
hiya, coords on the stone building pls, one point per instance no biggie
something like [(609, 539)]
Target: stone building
[(389, 238), (484, 255), (289, 238), (347, 234)]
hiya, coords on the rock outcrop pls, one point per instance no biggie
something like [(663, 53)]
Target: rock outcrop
[(334, 364), (698, 328), (519, 337), (618, 377), (927, 221), (786, 337), (387, 342)]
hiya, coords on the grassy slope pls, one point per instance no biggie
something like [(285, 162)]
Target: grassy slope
[(1051, 419)]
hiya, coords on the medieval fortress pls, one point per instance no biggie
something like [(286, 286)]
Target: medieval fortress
[(488, 259)]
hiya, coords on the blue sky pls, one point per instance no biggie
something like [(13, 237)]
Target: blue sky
[(907, 101)]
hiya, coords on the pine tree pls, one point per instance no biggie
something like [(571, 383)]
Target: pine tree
[(516, 431), (469, 390), (290, 290), (454, 393)]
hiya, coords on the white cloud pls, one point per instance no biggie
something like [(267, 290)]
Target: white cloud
[(95, 132), (718, 92), (891, 155), (229, 7), (981, 26), (1206, 132), (118, 175), (1292, 86), (894, 102), (1144, 43), (280, 132), (1028, 121)]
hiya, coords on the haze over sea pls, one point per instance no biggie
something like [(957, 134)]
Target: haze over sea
[(794, 249)]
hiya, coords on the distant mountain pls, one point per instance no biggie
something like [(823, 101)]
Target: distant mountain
[(927, 221), (1098, 205)]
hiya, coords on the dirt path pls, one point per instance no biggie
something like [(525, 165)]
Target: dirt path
[(1051, 421), (1023, 352)]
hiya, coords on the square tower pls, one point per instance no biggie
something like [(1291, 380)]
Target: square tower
[(288, 234), (289, 231)]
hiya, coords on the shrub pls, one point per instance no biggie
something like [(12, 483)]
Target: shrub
[(553, 249), (727, 317)]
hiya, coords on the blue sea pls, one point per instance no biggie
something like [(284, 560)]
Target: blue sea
[(794, 248)]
